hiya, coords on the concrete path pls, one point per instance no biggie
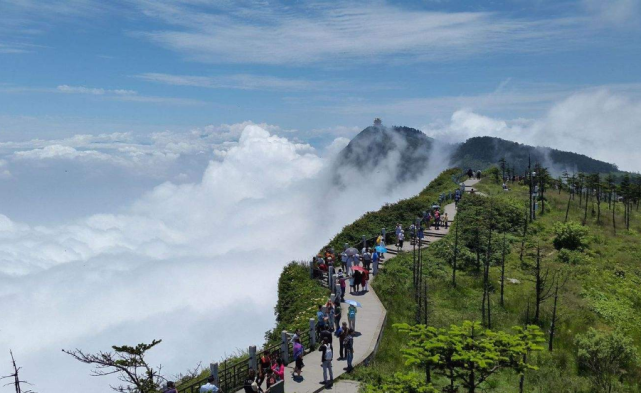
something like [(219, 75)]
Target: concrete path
[(370, 321)]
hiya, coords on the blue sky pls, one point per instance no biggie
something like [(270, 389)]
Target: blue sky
[(145, 66), (142, 142)]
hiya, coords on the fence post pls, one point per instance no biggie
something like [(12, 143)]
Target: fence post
[(253, 361), (213, 370), (284, 347), (330, 278), (338, 289), (312, 331)]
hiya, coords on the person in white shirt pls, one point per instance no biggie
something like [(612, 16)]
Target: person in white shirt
[(209, 386)]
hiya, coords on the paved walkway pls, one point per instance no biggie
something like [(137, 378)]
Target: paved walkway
[(370, 321)]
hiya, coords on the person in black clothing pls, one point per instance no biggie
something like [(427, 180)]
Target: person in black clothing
[(264, 364), (249, 381), (358, 277), (326, 335)]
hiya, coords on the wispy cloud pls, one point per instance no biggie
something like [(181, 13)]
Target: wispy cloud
[(93, 90), (244, 82), (339, 35), (111, 94)]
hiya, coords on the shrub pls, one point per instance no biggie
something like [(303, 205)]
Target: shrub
[(606, 356), (571, 236)]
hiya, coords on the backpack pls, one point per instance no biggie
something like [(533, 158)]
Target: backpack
[(329, 355)]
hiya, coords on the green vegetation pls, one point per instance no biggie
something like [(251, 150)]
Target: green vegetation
[(485, 151), (404, 211), (298, 298), (468, 355), (587, 277), (606, 357)]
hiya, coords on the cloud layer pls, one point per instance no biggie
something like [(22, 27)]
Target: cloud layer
[(195, 264), (599, 123)]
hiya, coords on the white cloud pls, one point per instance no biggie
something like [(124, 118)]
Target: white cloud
[(242, 82), (600, 123), (340, 34), (175, 264), (614, 13)]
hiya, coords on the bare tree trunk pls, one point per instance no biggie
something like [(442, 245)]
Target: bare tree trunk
[(553, 323), (503, 269), (455, 255), (567, 210)]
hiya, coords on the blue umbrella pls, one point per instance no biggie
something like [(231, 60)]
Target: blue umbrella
[(353, 303), (381, 249)]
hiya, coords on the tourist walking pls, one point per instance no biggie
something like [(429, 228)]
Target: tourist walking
[(331, 315), (401, 239), (338, 311), (358, 278), (446, 220), (342, 333), (437, 219), (348, 344), (366, 280), (398, 230), (341, 282), (344, 260), (367, 259), (209, 387), (352, 284), (298, 358), (375, 259), (326, 361), (351, 317)]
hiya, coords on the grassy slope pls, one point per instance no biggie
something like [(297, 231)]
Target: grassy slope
[(602, 292)]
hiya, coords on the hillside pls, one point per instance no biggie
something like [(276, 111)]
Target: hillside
[(402, 151), (598, 276), (482, 152)]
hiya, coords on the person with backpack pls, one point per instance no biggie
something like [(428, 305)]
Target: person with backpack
[(351, 317), (348, 344), (298, 358), (367, 259), (264, 364), (327, 357)]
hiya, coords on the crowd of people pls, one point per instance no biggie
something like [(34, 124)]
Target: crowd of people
[(355, 269)]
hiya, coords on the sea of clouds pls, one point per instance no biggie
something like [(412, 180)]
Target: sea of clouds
[(194, 260)]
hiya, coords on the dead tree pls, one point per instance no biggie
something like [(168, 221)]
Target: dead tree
[(553, 322), (543, 285), (503, 268), (454, 262), (128, 364), (15, 377)]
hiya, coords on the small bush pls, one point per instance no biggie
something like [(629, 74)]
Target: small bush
[(571, 236)]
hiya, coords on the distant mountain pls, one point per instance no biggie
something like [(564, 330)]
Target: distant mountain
[(481, 152), (403, 150)]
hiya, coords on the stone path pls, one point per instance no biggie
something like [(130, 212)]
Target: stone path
[(370, 320)]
